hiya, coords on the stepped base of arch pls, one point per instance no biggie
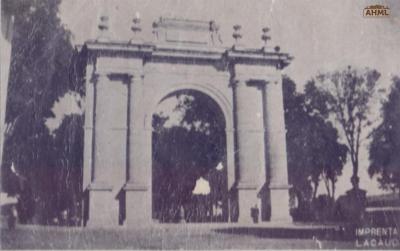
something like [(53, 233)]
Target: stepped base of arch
[(132, 207), (280, 210), (138, 205), (103, 206)]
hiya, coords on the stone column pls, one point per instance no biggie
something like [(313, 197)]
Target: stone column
[(88, 158), (137, 188), (250, 147), (230, 166), (100, 191), (276, 151)]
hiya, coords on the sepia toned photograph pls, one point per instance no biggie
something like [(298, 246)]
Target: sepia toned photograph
[(200, 125)]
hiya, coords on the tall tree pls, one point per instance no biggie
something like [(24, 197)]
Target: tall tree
[(385, 146), (39, 74), (346, 95), (314, 153)]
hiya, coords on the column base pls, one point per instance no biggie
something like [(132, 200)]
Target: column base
[(247, 200), (280, 209), (103, 206), (138, 205)]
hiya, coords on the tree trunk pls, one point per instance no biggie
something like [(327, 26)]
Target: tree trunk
[(326, 181), (355, 171), (354, 178), (316, 184)]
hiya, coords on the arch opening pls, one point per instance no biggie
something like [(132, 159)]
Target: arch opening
[(189, 153)]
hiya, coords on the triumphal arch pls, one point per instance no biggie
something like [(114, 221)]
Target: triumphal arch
[(126, 80)]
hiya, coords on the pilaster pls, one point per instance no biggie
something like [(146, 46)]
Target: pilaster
[(108, 148), (250, 146), (276, 151), (137, 189)]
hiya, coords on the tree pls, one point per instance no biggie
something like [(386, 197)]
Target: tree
[(314, 152), (39, 75), (385, 146), (186, 150), (346, 96)]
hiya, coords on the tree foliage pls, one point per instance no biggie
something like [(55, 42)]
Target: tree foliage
[(346, 95), (314, 153), (39, 75), (187, 150), (385, 146)]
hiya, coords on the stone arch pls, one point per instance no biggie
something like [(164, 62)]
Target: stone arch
[(254, 123), (218, 97)]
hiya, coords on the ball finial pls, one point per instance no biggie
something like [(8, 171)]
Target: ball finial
[(136, 27), (104, 27), (265, 37), (237, 33)]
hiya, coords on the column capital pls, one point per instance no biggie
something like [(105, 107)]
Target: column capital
[(259, 81), (128, 77), (246, 186), (265, 80), (279, 186), (133, 186), (238, 81), (136, 74), (129, 73), (242, 81), (99, 186), (276, 80), (98, 76)]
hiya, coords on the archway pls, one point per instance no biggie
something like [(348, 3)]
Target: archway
[(189, 170), (124, 82)]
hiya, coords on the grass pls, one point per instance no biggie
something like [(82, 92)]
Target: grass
[(166, 237)]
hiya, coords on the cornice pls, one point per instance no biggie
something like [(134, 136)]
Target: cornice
[(158, 51)]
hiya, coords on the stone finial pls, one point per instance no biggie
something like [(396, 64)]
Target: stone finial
[(136, 26), (214, 33), (265, 37), (237, 34), (104, 26), (277, 49), (155, 30)]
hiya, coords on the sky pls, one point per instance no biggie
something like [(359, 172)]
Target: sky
[(321, 35)]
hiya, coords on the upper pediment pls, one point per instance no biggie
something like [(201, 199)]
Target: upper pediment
[(191, 32)]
